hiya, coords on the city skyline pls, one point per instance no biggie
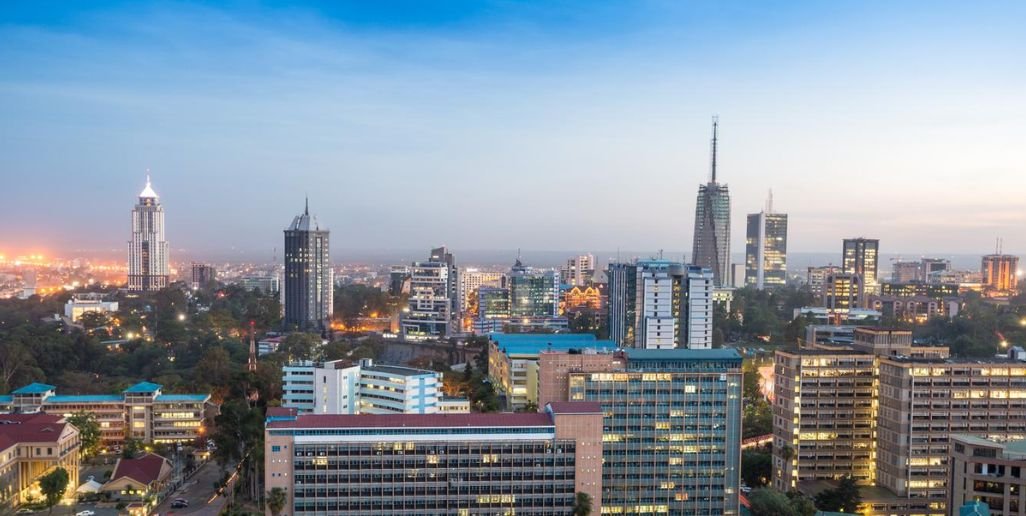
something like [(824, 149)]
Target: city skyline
[(240, 113)]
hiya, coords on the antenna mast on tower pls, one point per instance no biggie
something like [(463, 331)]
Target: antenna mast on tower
[(716, 124)]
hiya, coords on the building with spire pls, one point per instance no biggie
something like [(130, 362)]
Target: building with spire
[(766, 248), (712, 224), (147, 251), (308, 276)]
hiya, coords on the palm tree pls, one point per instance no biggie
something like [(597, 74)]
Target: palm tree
[(276, 500)]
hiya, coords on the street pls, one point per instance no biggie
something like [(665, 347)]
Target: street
[(198, 490)]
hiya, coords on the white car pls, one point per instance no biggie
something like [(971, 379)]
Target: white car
[(86, 512)]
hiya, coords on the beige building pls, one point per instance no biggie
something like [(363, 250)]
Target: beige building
[(139, 479), (989, 471), (32, 445)]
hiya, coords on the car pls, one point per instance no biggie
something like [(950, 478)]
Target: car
[(86, 512), (179, 504), (25, 511)]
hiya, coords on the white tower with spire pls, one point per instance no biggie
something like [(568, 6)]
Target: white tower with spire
[(147, 251)]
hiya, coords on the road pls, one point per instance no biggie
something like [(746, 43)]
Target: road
[(197, 490)]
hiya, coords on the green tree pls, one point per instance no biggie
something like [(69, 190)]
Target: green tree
[(756, 467), (300, 346), (801, 504), (53, 485), (131, 448), (215, 368), (276, 500), (843, 498), (770, 502), (582, 504), (88, 431), (757, 418)]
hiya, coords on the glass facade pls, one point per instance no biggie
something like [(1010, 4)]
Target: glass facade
[(860, 257), (671, 432), (712, 231)]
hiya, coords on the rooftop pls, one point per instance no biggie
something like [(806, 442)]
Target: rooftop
[(474, 420), (682, 354), (183, 397), (34, 429), (86, 398), (398, 370), (34, 388), (575, 407), (535, 343), (145, 469), (143, 387)]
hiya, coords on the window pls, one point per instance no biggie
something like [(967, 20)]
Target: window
[(275, 449)]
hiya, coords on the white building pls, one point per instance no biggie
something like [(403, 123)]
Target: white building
[(429, 314), (698, 308), (92, 302), (472, 279), (658, 304), (147, 251), (578, 271)]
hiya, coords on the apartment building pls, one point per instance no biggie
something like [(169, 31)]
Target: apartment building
[(461, 464), (988, 471)]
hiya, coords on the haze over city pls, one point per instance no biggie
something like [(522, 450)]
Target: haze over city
[(497, 125)]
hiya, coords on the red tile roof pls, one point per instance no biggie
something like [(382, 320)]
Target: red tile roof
[(145, 469), (38, 417), (281, 411), (475, 420), (30, 428), (575, 407)]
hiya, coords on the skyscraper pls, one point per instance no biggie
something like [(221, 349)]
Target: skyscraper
[(578, 270), (533, 293), (433, 298), (712, 224), (766, 248), (621, 297), (147, 251), (861, 256), (308, 276), (999, 273)]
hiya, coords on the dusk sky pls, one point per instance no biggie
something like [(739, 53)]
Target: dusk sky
[(541, 125)]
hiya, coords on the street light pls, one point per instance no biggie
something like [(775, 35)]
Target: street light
[(181, 317)]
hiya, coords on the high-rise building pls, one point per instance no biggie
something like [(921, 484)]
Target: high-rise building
[(861, 256), (906, 272), (578, 270), (843, 291), (433, 303), (712, 224), (672, 425), (816, 279), (766, 249), (460, 464), (472, 279), (999, 273), (202, 274), (660, 304), (147, 251), (398, 280), (309, 287), (532, 293), (933, 269)]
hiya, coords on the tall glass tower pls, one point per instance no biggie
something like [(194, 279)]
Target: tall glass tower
[(147, 251), (308, 276), (712, 224)]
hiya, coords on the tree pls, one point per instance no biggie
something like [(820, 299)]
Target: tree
[(276, 500), (843, 498), (770, 502), (88, 431), (53, 485), (802, 505), (582, 504), (131, 448), (757, 418), (756, 467), (299, 346), (215, 367)]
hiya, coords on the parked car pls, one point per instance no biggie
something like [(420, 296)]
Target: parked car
[(179, 503), (86, 512)]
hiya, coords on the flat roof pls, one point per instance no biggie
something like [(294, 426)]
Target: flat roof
[(34, 388), (535, 343), (399, 370), (682, 354), (575, 407), (814, 352), (474, 420)]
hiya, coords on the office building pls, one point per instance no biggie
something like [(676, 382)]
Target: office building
[(461, 464), (1000, 274), (816, 278), (843, 291), (265, 284), (766, 249), (933, 290), (853, 316), (738, 275), (31, 446), (824, 417), (933, 269), (140, 412), (988, 471), (672, 426), (147, 251), (513, 361), (309, 285), (344, 387), (578, 270), (399, 280), (80, 304), (532, 293), (433, 302), (861, 256), (471, 280), (660, 304), (712, 224), (907, 272), (915, 309), (202, 274), (621, 293)]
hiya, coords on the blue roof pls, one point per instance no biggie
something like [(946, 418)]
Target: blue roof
[(144, 387), (183, 397), (534, 343), (682, 354), (34, 388), (85, 398), (6, 398)]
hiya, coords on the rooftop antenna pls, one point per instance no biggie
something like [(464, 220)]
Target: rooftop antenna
[(769, 202), (716, 124), (660, 254), (306, 209)]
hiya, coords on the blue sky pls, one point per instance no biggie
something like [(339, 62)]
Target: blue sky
[(540, 125)]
